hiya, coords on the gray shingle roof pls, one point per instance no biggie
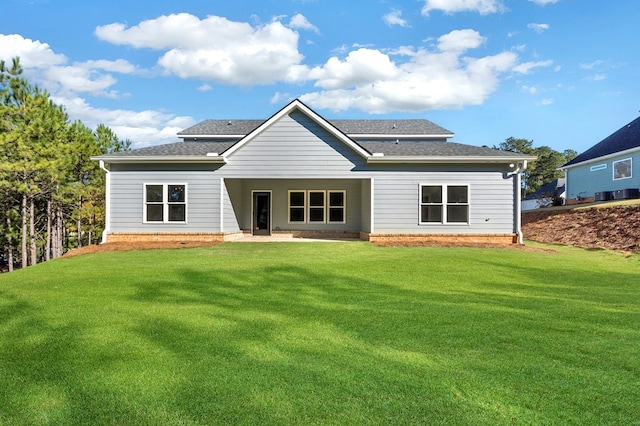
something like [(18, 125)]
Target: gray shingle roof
[(177, 148), (349, 127), (435, 149), (388, 148), (627, 137)]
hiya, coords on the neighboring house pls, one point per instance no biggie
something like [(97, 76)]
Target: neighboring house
[(302, 174), (545, 196), (608, 170)]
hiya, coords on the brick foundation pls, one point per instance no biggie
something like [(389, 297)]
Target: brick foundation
[(498, 239), (133, 237), (330, 235)]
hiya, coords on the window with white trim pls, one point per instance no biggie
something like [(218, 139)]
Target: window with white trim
[(297, 206), (317, 201), (337, 206), (165, 203), (622, 169), (317, 206), (444, 204)]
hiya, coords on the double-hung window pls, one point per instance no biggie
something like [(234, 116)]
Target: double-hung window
[(317, 206), (297, 206), (164, 203), (444, 204)]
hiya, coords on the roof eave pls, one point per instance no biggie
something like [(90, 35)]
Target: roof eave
[(211, 136), (164, 159), (466, 159), (601, 158), (400, 136)]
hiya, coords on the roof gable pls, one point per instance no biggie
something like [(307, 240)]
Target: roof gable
[(297, 105), (624, 139)]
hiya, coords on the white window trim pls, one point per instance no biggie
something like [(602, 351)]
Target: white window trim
[(324, 206), (165, 203), (307, 206), (613, 167), (343, 206), (304, 207), (444, 205)]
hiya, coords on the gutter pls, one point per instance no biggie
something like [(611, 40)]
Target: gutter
[(377, 158), (173, 159)]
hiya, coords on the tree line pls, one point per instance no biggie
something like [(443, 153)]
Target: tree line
[(51, 193), (542, 171)]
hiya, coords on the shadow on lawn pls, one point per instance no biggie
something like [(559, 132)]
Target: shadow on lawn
[(282, 345)]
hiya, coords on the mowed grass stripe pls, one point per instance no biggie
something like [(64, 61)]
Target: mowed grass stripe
[(344, 333)]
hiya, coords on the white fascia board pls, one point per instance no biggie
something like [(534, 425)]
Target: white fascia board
[(175, 159), (446, 159), (296, 104), (603, 158)]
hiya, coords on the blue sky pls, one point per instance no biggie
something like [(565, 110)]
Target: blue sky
[(564, 73)]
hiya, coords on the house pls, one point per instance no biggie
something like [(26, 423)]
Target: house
[(546, 196), (302, 174), (606, 170)]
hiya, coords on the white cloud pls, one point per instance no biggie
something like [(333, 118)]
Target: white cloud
[(544, 2), (214, 48), (51, 71), (547, 101), (539, 28), (395, 18), (371, 81), (460, 40), (300, 21), (143, 128), (526, 67), (32, 53), (204, 88), (599, 77), (591, 65), (483, 7), (530, 89), (359, 67)]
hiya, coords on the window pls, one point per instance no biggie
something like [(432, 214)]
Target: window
[(444, 204), (337, 205), (622, 169), (165, 203), (317, 206), (297, 206)]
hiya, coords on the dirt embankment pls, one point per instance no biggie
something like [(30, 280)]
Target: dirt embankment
[(614, 228)]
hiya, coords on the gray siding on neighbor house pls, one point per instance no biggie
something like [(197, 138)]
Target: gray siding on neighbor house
[(294, 146), (127, 198), (583, 182), (397, 202)]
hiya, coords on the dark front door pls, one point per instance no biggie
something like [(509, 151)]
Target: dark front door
[(261, 213)]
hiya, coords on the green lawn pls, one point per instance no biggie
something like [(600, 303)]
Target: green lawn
[(323, 333)]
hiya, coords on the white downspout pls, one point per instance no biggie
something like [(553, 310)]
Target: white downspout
[(107, 203), (517, 172)]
